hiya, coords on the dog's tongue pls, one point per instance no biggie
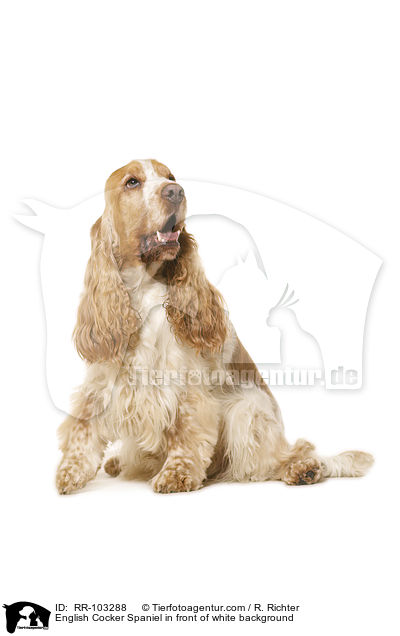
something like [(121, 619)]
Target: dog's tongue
[(166, 237)]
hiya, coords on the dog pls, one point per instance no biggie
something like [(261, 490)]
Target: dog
[(148, 310)]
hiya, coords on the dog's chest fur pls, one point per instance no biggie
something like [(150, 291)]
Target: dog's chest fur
[(157, 349), (149, 387)]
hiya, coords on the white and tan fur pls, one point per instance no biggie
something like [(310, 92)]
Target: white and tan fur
[(155, 311)]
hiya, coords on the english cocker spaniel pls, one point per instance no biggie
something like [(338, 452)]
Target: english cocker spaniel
[(167, 374)]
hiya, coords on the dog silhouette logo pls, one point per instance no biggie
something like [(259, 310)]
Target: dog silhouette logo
[(252, 247), (26, 615)]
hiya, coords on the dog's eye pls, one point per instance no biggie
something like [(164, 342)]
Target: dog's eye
[(171, 177), (132, 183)]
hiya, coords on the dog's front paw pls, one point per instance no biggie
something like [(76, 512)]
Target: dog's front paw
[(73, 473), (174, 480), (302, 472)]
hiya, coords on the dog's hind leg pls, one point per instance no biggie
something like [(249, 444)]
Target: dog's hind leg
[(256, 448), (300, 465), (306, 467), (252, 435), (113, 466)]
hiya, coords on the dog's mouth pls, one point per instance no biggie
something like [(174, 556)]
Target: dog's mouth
[(165, 238)]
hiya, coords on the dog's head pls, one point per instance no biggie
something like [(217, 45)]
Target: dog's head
[(148, 211), (143, 226)]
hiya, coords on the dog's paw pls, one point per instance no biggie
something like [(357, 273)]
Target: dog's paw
[(171, 480), (302, 472), (112, 466), (73, 473)]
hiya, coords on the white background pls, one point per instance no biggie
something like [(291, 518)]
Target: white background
[(298, 101)]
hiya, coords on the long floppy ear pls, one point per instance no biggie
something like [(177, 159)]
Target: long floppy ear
[(194, 307), (106, 319)]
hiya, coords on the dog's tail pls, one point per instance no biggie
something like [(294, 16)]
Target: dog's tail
[(347, 464)]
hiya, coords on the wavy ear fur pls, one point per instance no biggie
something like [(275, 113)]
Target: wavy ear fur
[(194, 307), (106, 319)]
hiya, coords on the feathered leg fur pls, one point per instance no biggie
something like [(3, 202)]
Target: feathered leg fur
[(82, 450), (191, 442), (256, 449)]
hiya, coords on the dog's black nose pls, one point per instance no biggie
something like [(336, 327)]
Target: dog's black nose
[(173, 193)]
